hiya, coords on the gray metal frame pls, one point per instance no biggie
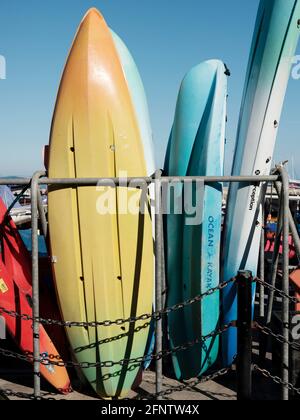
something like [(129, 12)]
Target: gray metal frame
[(281, 182)]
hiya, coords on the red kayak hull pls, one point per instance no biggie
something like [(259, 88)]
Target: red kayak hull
[(16, 296)]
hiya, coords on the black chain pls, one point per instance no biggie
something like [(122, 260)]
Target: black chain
[(155, 315), (277, 337), (24, 396), (276, 379), (280, 292), (56, 360), (187, 385), (179, 388)]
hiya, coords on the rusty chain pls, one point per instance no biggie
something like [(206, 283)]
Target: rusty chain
[(277, 337), (24, 396), (155, 315), (56, 360), (293, 299), (187, 385), (167, 392), (276, 379)]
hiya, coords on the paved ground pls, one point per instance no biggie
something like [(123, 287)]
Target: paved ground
[(16, 376), (208, 391), (224, 388)]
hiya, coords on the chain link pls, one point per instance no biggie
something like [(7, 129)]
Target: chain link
[(276, 379), (135, 362), (23, 395), (187, 385), (277, 337), (56, 360), (278, 291), (179, 388), (155, 315)]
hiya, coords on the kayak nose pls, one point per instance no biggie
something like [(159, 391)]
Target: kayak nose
[(92, 15)]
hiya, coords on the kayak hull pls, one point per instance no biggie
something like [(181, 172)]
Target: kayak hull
[(273, 47), (102, 244), (196, 148)]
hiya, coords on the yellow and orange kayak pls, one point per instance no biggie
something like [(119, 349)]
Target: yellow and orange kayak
[(103, 256)]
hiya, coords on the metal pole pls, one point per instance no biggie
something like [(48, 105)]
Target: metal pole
[(163, 266), (125, 181), (107, 182), (158, 278), (285, 285), (244, 358), (295, 235), (293, 228), (262, 266), (262, 338), (275, 263), (35, 282)]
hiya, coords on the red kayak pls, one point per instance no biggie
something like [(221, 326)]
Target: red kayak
[(16, 295)]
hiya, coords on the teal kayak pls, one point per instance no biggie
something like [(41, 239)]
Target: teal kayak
[(196, 148)]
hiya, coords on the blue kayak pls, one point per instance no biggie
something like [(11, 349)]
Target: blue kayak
[(196, 148)]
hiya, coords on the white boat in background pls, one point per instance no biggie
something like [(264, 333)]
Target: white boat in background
[(21, 215), (295, 187)]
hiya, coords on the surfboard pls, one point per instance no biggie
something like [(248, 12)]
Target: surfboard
[(103, 253), (16, 295), (196, 148), (274, 44)]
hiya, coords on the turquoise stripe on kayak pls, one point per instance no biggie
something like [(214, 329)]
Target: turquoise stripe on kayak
[(196, 147)]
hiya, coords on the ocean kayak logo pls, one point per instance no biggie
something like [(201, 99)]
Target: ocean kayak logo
[(2, 328), (296, 68), (136, 197), (252, 198), (2, 68)]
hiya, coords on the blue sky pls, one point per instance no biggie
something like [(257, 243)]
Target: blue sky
[(166, 39)]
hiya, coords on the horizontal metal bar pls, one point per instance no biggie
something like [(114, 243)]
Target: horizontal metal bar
[(213, 179), (93, 182), (275, 197), (148, 180), (13, 181)]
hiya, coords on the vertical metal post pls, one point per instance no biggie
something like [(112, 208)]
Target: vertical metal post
[(35, 282), (158, 277), (262, 338), (293, 228), (244, 358), (262, 266), (295, 235), (275, 263), (285, 285)]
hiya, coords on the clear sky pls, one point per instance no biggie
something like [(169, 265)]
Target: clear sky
[(166, 39)]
